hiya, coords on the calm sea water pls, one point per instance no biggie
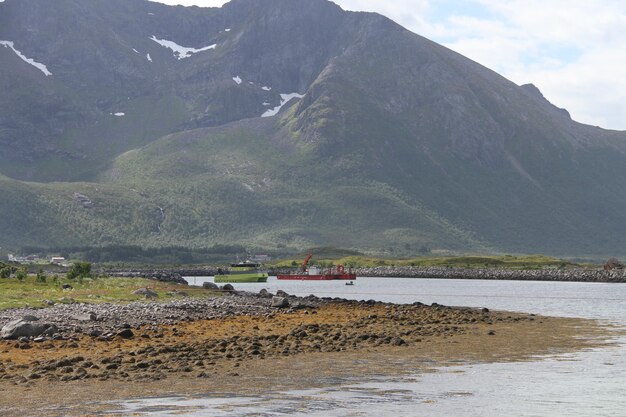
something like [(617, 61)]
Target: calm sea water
[(588, 383)]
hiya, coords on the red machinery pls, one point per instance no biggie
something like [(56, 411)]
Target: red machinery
[(312, 273)]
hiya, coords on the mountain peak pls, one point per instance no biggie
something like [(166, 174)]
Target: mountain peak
[(534, 91)]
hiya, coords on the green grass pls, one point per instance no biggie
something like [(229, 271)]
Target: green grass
[(502, 261), (29, 293)]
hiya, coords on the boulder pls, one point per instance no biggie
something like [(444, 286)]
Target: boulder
[(126, 334), (146, 292), (228, 287), (613, 263), (265, 293), (280, 302), (397, 341), (210, 286), (91, 316), (26, 328)]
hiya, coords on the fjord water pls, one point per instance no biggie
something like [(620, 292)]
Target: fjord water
[(587, 383)]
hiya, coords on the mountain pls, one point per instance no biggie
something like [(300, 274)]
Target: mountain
[(148, 131)]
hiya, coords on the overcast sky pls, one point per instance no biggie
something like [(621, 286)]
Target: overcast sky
[(573, 50)]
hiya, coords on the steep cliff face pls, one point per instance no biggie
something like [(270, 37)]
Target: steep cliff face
[(373, 137)]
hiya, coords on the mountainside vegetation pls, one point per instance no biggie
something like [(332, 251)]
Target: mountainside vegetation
[(395, 144)]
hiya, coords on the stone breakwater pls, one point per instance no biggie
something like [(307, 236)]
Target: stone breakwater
[(569, 274), (566, 274), (162, 275)]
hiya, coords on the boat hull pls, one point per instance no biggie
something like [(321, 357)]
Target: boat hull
[(322, 277), (252, 277)]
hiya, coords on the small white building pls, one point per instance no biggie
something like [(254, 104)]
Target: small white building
[(57, 260)]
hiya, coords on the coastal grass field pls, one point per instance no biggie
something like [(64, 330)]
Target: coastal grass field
[(31, 293), (478, 261)]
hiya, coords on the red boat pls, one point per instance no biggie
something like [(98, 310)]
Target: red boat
[(313, 273)]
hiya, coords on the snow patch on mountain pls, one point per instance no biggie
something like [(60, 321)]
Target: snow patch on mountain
[(181, 52), (41, 67), (266, 88), (148, 57), (118, 114), (227, 30), (284, 99), (237, 79)]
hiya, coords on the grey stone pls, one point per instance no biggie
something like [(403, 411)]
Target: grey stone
[(210, 286), (397, 341), (280, 302), (146, 292), (265, 293), (26, 328), (91, 316)]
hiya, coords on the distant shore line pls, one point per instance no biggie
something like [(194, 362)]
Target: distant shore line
[(565, 274)]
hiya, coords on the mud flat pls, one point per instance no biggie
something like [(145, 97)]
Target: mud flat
[(245, 342)]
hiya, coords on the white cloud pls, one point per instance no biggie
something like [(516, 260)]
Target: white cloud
[(573, 53)]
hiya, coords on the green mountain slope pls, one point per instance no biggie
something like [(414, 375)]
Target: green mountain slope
[(396, 142)]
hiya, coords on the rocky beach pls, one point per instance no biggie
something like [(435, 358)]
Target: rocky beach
[(113, 351)]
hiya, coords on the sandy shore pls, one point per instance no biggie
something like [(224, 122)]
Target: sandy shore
[(277, 348)]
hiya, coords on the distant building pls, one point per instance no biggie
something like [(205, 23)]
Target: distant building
[(12, 258), (57, 260)]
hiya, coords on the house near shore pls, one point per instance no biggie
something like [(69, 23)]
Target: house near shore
[(57, 260), (23, 259)]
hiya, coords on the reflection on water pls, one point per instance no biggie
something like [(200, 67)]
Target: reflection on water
[(589, 383)]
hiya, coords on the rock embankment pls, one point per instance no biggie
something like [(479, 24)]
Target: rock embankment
[(162, 275), (566, 274)]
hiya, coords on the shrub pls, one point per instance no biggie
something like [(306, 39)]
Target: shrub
[(5, 272), (21, 274), (41, 277), (79, 270)]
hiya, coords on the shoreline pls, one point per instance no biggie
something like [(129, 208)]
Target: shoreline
[(239, 342)]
